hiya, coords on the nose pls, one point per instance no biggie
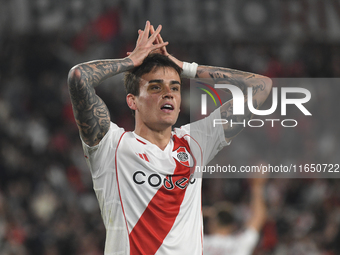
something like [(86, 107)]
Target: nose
[(167, 93)]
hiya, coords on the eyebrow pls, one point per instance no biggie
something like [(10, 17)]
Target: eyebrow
[(161, 81)]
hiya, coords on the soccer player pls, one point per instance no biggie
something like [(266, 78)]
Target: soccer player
[(149, 198), (224, 238)]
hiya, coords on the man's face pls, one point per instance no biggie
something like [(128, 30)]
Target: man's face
[(158, 103)]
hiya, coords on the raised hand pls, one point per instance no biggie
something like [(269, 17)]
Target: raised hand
[(159, 40), (146, 44), (161, 49)]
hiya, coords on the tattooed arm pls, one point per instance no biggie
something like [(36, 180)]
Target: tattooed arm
[(261, 88), (90, 112)]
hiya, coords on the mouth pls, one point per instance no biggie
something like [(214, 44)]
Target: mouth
[(167, 107)]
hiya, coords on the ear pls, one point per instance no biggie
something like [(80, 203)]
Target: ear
[(131, 101)]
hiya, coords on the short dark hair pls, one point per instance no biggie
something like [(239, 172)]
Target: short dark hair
[(225, 218), (132, 77), (224, 213)]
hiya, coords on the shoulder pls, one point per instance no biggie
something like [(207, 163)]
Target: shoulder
[(182, 131), (112, 136), (248, 235)]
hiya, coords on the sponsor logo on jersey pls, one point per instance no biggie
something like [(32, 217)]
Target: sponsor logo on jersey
[(156, 180)]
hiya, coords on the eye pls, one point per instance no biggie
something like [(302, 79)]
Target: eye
[(175, 88), (155, 87)]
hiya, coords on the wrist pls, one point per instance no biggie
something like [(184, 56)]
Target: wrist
[(134, 62), (189, 70), (177, 62)]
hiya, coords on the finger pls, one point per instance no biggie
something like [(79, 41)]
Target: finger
[(154, 35), (140, 34), (158, 46), (146, 31), (160, 39), (152, 31), (128, 53)]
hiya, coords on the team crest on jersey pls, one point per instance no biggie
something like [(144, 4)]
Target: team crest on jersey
[(183, 157)]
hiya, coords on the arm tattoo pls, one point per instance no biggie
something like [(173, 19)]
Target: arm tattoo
[(231, 129), (225, 75), (260, 90), (259, 87), (91, 113), (242, 80)]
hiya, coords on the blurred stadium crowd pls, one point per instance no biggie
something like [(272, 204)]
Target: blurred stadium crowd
[(47, 205)]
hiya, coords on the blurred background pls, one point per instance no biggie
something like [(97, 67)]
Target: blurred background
[(47, 205)]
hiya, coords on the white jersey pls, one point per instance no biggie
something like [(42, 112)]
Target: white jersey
[(242, 243), (150, 199)]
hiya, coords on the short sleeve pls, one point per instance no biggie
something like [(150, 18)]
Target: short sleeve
[(210, 138), (99, 157), (248, 238), (242, 243)]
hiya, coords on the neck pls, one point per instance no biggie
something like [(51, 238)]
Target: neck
[(159, 138)]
